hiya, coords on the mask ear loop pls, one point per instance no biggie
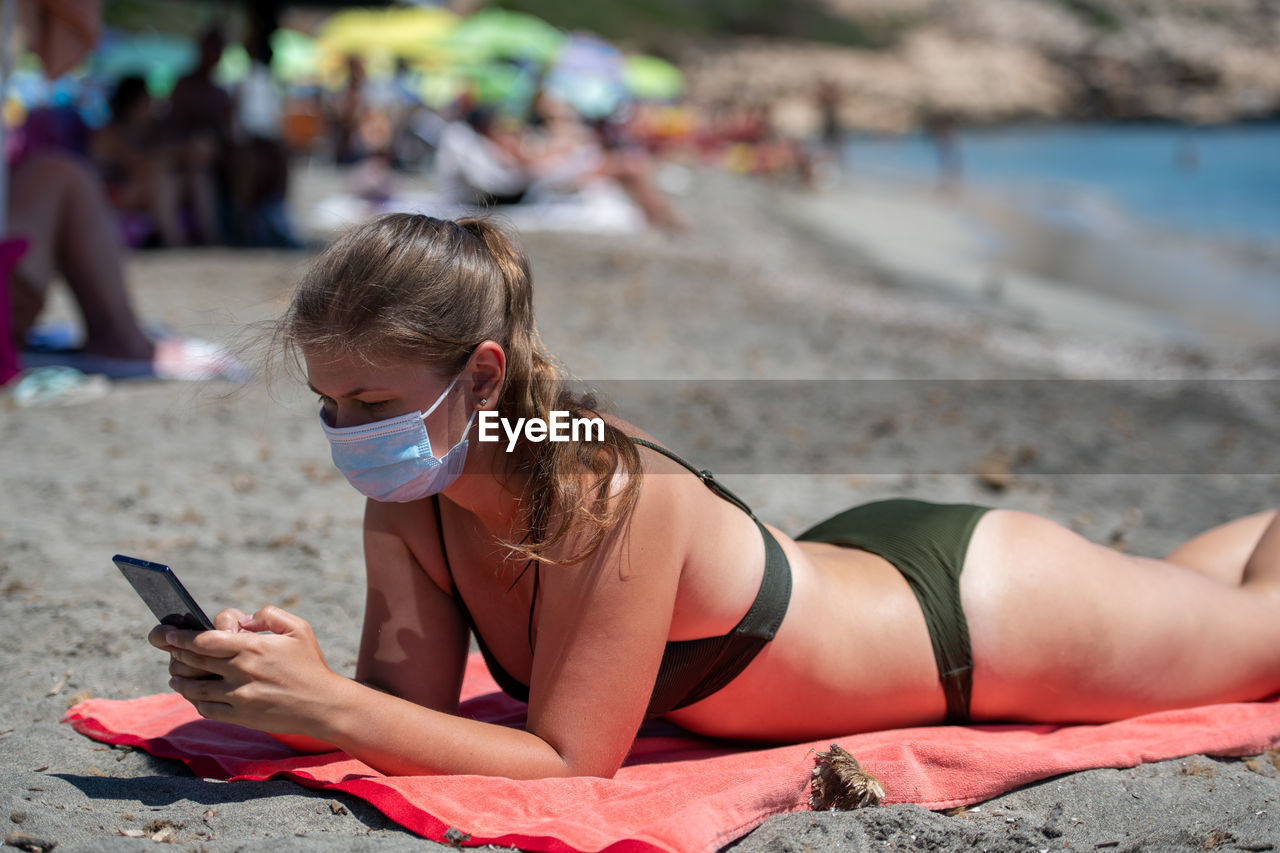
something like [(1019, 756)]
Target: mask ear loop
[(440, 399), (470, 421)]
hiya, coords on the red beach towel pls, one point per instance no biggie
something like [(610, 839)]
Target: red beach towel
[(678, 792)]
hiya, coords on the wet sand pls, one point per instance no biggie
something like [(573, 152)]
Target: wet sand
[(233, 486)]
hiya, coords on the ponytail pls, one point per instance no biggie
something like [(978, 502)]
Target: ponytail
[(570, 481)]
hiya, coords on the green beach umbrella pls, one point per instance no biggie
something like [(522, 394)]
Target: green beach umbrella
[(160, 58), (496, 33), (651, 78), (490, 82), (295, 56), (232, 66)]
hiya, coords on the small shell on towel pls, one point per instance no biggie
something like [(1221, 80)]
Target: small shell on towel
[(839, 782)]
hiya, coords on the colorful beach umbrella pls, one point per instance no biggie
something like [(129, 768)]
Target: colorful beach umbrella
[(295, 58), (411, 32), (159, 58), (498, 34), (588, 76), (652, 79)]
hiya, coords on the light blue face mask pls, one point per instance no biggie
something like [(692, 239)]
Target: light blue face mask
[(391, 460)]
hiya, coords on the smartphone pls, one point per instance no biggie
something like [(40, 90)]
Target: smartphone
[(163, 593)]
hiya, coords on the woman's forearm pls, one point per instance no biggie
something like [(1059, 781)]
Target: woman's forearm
[(399, 738)]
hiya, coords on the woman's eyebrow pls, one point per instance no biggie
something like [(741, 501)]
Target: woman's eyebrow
[(354, 392)]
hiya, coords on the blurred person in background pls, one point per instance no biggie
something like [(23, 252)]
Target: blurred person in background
[(348, 114), (260, 166), (202, 113), (147, 170), (60, 225), (940, 128), (479, 162), (392, 110), (482, 161), (828, 154)]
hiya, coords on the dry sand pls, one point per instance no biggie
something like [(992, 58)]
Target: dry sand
[(234, 488)]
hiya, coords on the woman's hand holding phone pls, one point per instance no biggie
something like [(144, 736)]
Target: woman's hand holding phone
[(265, 671), (228, 620)]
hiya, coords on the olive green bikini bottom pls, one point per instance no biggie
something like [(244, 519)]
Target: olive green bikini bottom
[(926, 542)]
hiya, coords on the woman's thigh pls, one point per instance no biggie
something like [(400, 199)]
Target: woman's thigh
[(33, 207), (1065, 629)]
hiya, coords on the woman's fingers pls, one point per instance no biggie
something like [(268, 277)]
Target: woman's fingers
[(211, 644), (229, 619), (275, 620), (182, 670), (202, 665), (208, 695), (266, 672), (192, 689), (219, 711), (158, 637)]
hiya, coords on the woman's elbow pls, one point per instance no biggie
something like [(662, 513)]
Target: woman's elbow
[(597, 766)]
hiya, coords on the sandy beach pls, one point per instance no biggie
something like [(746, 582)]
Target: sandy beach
[(703, 334)]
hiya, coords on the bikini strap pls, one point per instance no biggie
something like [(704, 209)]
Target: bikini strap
[(444, 552), (505, 680), (703, 474), (453, 586)]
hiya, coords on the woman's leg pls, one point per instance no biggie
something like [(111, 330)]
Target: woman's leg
[(1223, 552), (204, 204), (59, 206), (160, 188), (1063, 629)]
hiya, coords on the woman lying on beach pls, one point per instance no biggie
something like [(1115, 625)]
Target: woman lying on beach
[(606, 583)]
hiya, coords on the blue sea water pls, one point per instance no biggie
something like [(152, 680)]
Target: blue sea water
[(1221, 181), (1182, 220)]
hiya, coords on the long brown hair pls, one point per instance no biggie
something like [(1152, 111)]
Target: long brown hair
[(411, 287)]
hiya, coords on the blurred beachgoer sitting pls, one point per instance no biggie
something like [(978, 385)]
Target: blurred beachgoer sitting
[(564, 151), (53, 128), (479, 163), (147, 173), (202, 114), (357, 129), (415, 128), (260, 177), (58, 208)]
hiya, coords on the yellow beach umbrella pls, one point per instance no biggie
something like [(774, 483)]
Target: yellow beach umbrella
[(380, 35)]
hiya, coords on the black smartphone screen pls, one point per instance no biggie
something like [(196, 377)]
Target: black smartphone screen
[(163, 593)]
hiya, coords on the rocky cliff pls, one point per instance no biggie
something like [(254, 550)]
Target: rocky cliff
[(986, 61)]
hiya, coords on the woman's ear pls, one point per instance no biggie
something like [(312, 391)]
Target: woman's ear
[(487, 368)]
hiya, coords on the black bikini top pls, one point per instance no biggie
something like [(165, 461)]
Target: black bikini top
[(691, 670)]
